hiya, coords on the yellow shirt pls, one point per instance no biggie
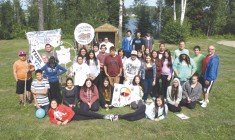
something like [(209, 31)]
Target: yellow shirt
[(21, 68)]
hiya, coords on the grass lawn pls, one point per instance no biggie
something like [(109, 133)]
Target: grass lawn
[(217, 121)]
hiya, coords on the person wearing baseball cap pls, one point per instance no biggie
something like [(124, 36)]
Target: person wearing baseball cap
[(22, 72), (131, 67)]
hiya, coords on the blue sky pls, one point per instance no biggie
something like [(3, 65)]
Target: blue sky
[(128, 3)]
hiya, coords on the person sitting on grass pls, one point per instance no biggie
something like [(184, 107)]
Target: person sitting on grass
[(137, 81), (156, 111), (106, 94), (70, 94), (191, 92), (174, 96), (61, 114), (89, 96), (39, 88)]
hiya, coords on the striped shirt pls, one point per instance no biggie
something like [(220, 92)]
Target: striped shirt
[(39, 86)]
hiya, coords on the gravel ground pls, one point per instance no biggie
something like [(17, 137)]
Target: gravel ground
[(227, 43)]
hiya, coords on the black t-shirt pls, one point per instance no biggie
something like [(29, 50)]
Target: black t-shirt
[(138, 43)]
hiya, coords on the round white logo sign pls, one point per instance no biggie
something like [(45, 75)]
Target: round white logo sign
[(84, 33)]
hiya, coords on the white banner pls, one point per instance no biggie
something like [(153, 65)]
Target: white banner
[(125, 94), (38, 39), (36, 59)]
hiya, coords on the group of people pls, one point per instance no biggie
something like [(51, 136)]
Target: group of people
[(171, 80)]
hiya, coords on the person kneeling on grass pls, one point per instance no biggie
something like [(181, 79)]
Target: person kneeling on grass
[(39, 88), (61, 114), (174, 96), (156, 111), (191, 92)]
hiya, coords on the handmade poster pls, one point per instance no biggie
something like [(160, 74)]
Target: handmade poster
[(63, 55), (38, 39), (36, 59), (125, 94)]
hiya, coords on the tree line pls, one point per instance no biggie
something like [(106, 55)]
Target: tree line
[(183, 17)]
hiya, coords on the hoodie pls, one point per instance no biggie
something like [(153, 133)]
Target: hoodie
[(169, 99)]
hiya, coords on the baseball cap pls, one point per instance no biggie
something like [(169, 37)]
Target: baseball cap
[(134, 52), (21, 52)]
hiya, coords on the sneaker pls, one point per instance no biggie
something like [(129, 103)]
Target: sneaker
[(204, 104), (202, 101), (109, 117), (115, 117)]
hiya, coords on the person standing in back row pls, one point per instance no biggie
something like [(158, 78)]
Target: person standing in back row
[(127, 44), (138, 43), (181, 50), (210, 70), (148, 41)]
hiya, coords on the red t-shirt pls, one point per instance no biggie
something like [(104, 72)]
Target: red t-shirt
[(113, 65), (205, 61)]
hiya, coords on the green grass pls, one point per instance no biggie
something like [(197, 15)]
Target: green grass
[(214, 122)]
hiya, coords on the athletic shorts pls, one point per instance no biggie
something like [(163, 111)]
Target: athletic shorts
[(20, 86), (207, 88)]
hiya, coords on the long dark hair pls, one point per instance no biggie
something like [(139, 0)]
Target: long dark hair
[(103, 88), (162, 106), (169, 65), (154, 59), (52, 62), (145, 65), (121, 50), (94, 58), (174, 90), (85, 87), (187, 60), (79, 53), (141, 82)]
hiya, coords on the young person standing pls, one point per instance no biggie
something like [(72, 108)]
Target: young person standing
[(127, 44), (22, 72), (113, 66), (39, 89), (138, 43), (53, 70)]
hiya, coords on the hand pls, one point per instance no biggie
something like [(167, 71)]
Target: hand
[(207, 82), (65, 122), (189, 100), (120, 74), (176, 104), (107, 75), (168, 79), (153, 83), (89, 104), (70, 105), (101, 65), (157, 119), (37, 106), (59, 122), (125, 77)]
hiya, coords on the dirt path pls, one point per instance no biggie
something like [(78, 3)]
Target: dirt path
[(227, 43)]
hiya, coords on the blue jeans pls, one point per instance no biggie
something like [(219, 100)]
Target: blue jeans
[(147, 87)]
